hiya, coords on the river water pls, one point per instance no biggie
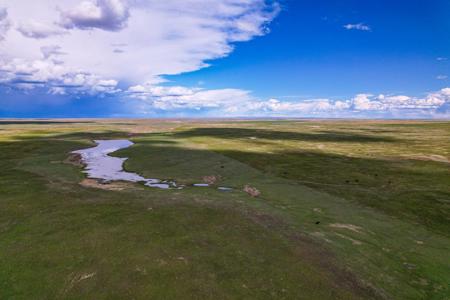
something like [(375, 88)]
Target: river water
[(99, 165)]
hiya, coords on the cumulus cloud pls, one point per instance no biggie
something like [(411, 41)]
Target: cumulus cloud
[(359, 26), (51, 51), (158, 37), (53, 76), (235, 102), (297, 107), (39, 30), (178, 97), (367, 102), (5, 23), (110, 15), (98, 45)]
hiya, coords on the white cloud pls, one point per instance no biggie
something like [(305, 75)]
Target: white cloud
[(442, 59), (54, 76), (91, 47), (130, 41), (445, 92), (5, 23), (441, 77), (359, 26), (51, 51), (367, 102), (276, 107), (110, 15), (235, 102), (177, 97), (38, 30)]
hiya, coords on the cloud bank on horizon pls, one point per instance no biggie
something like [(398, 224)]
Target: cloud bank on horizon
[(123, 49), (240, 103)]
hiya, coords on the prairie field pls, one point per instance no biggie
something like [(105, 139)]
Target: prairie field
[(346, 210)]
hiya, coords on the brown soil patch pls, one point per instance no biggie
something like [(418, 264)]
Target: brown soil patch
[(111, 186), (252, 191), (75, 160), (75, 279), (354, 242), (350, 227), (432, 157), (212, 179)]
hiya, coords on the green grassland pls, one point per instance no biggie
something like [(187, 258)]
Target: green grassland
[(348, 210)]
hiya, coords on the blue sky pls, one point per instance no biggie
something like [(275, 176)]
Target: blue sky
[(256, 58)]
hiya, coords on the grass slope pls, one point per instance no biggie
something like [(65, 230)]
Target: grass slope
[(349, 210)]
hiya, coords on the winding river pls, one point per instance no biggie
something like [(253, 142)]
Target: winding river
[(100, 165)]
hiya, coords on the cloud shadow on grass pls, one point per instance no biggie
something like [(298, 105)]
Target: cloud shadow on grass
[(240, 133)]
